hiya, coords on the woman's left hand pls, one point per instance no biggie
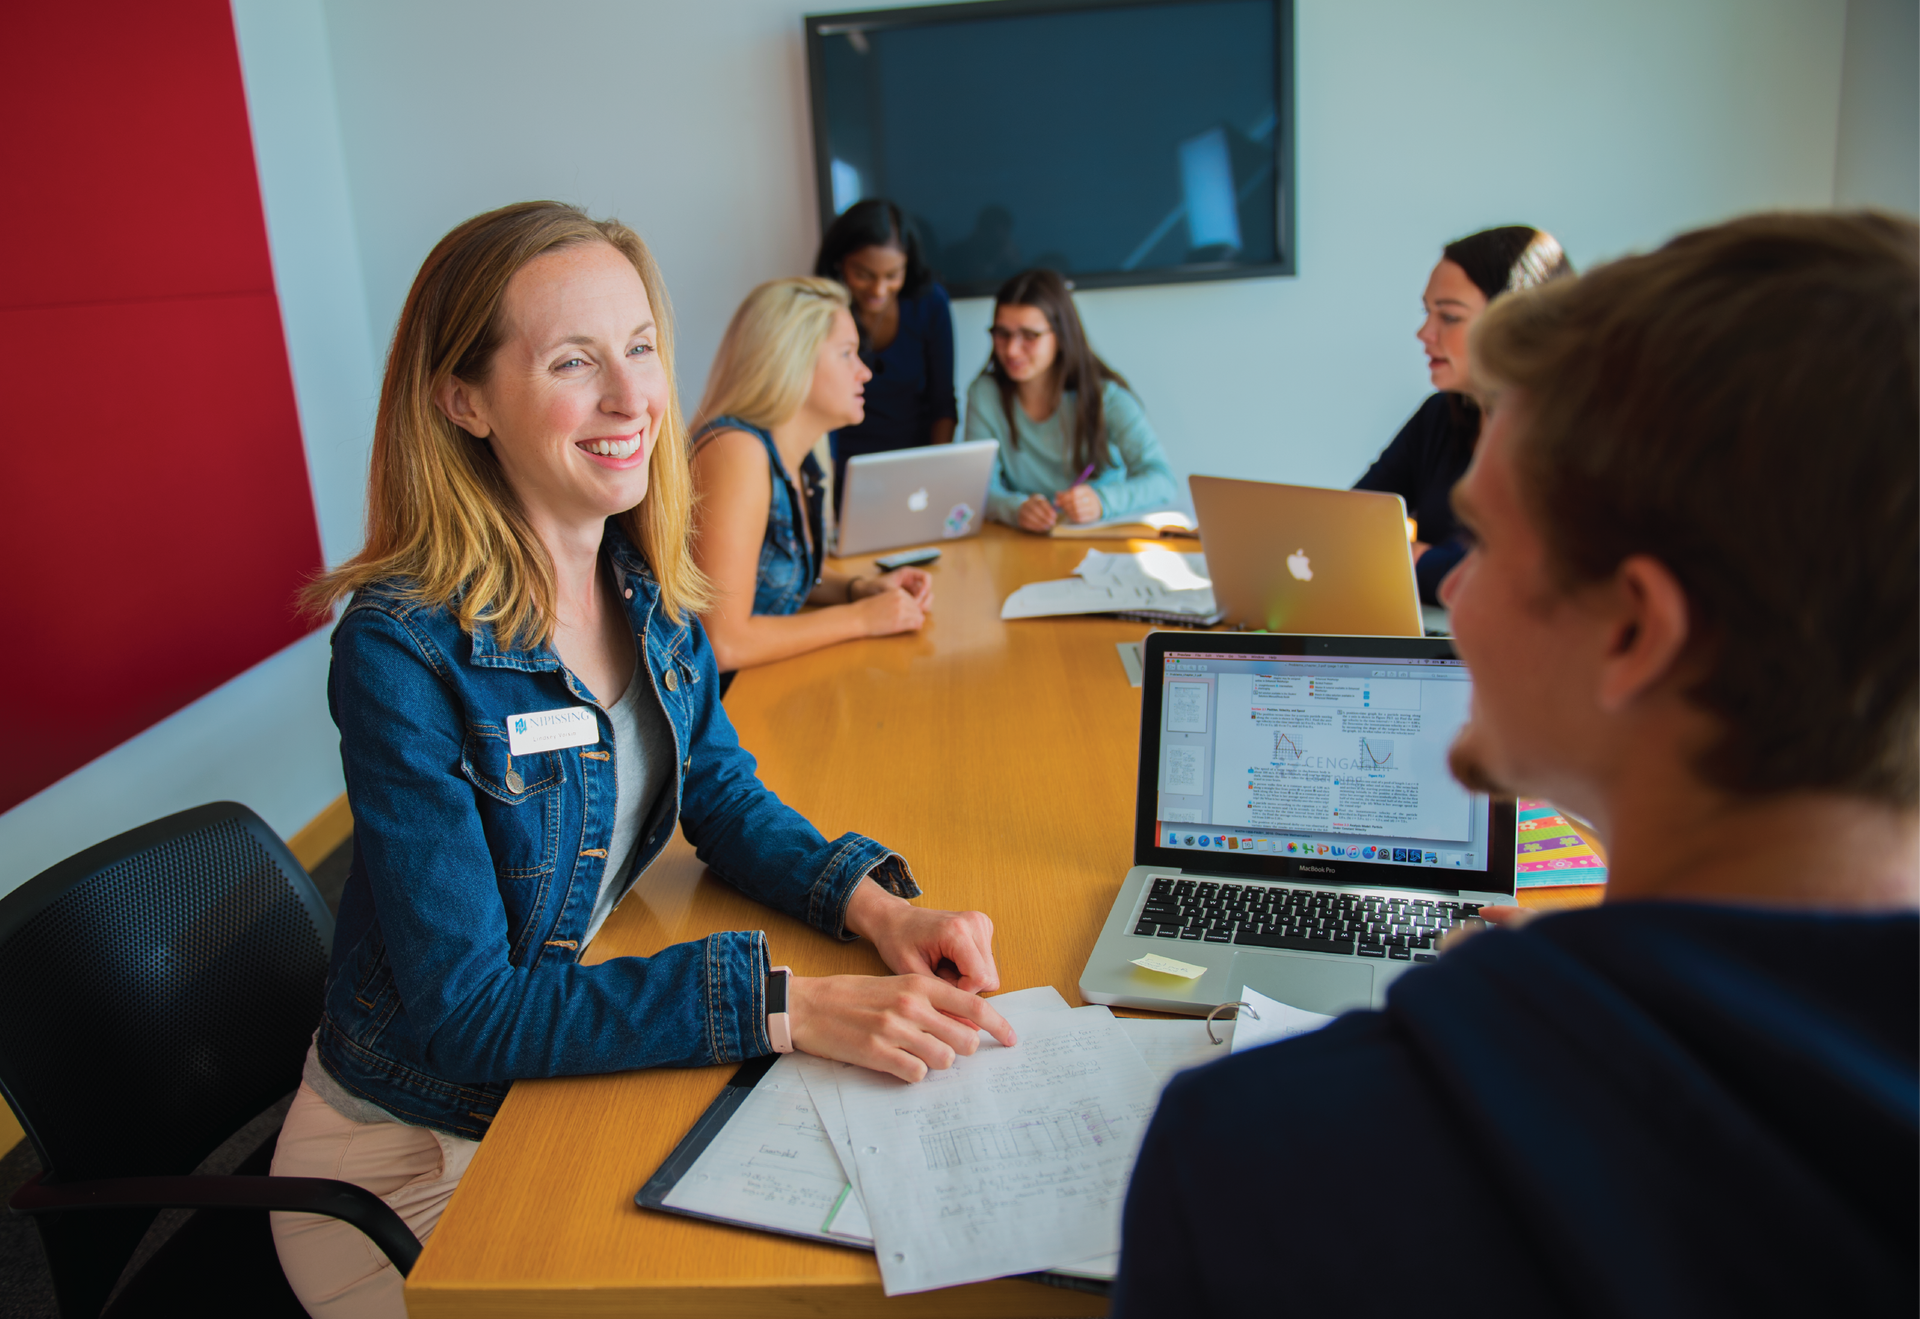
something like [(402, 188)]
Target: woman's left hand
[(915, 940), (916, 582), (1080, 504)]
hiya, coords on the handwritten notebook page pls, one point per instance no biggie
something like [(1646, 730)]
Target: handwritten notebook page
[(773, 1164), (1012, 1161)]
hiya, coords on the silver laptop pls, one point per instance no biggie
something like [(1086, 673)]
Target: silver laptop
[(1295, 558), (1297, 829), (910, 496)]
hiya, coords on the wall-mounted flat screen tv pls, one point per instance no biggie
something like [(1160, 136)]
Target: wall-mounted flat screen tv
[(1116, 141)]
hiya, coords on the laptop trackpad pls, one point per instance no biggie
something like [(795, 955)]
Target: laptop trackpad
[(1310, 983)]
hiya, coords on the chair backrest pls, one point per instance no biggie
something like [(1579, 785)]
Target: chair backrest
[(157, 992)]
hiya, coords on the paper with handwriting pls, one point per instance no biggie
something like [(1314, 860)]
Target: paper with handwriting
[(1011, 1161), (773, 1164)]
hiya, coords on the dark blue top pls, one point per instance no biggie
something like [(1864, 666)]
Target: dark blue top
[(1643, 1109), (790, 552), (912, 385), (1426, 458)]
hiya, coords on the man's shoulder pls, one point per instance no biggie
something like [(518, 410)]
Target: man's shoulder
[(1355, 1071), (1315, 1160)]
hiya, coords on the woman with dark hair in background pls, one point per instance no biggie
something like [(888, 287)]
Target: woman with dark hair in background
[(1074, 441), (1432, 450), (906, 333)]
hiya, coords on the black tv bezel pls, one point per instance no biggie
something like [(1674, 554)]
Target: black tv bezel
[(820, 26), (1498, 877)]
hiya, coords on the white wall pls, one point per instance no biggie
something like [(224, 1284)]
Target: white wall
[(686, 120), (263, 738), (1615, 125), (1878, 162)]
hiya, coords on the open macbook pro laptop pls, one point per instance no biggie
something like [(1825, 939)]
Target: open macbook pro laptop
[(1297, 829), (907, 496), (1295, 558)]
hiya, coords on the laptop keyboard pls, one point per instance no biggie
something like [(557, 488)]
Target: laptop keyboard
[(1300, 919)]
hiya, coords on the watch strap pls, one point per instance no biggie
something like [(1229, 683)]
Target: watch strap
[(779, 1020)]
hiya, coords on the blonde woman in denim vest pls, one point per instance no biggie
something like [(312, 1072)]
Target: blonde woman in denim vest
[(787, 373), (527, 570)]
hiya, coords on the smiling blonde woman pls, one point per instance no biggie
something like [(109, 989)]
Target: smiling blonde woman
[(527, 569)]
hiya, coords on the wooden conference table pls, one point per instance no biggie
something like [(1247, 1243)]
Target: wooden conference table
[(1000, 759)]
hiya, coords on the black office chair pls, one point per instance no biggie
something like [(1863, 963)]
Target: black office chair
[(157, 993)]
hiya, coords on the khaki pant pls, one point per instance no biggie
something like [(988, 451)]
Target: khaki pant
[(335, 1271)]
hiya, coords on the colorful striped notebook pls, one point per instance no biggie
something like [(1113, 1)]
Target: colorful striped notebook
[(1548, 853)]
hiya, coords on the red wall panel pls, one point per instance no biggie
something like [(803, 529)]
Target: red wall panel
[(155, 514)]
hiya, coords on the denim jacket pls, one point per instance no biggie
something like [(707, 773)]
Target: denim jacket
[(456, 957), (789, 568)]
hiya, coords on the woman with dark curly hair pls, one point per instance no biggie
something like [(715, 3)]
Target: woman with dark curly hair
[(906, 332)]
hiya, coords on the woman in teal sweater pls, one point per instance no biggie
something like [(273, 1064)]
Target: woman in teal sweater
[(1074, 441)]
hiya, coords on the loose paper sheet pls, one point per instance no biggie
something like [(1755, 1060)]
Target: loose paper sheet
[(1155, 566), (1275, 1021), (1012, 1161), (1171, 1047), (849, 1216), (1156, 579)]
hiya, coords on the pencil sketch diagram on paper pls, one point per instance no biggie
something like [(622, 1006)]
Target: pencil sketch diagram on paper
[(1029, 1136)]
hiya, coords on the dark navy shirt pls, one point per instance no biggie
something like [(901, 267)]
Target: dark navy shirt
[(1643, 1110), (912, 385), (1426, 458)]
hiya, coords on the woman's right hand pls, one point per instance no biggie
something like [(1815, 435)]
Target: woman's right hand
[(1037, 514), (886, 612), (905, 1026)]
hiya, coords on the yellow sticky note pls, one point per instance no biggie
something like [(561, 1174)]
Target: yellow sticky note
[(1166, 966)]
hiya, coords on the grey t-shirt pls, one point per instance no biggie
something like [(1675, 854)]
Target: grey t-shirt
[(643, 756)]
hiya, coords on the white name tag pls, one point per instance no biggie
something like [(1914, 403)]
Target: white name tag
[(550, 730)]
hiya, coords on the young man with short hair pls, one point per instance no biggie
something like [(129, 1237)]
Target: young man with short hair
[(1692, 612)]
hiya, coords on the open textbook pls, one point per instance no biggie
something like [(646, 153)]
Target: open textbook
[(1154, 584), (799, 1145)]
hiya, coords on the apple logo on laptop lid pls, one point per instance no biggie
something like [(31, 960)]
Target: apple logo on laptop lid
[(1297, 565), (917, 501)]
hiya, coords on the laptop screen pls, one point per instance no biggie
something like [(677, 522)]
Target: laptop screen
[(1317, 763)]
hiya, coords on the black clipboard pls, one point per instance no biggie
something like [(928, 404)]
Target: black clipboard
[(654, 1191)]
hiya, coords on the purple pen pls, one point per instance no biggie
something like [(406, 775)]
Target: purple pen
[(1082, 478)]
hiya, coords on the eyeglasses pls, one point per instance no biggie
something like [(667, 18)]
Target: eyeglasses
[(1002, 335)]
